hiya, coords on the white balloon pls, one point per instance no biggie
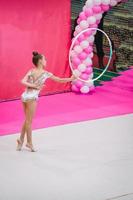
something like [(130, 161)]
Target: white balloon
[(84, 44), (84, 8), (97, 2), (106, 2), (98, 16), (78, 49), (83, 24), (90, 83), (82, 67), (78, 29), (91, 39), (91, 20), (74, 82), (113, 2), (73, 54), (89, 3), (88, 61), (76, 72), (94, 33), (84, 89), (91, 76)]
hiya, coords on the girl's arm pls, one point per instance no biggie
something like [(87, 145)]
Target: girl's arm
[(26, 83), (62, 80)]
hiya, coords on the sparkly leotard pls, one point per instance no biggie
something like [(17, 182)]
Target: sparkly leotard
[(32, 94)]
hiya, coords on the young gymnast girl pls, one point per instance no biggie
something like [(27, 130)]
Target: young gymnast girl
[(34, 81)]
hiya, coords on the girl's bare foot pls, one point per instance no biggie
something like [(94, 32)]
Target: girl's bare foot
[(19, 145), (30, 146)]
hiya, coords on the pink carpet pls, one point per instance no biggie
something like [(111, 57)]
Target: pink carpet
[(113, 98)]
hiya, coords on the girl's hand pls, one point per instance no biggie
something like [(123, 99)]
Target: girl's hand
[(73, 77), (40, 87), (34, 86), (63, 80)]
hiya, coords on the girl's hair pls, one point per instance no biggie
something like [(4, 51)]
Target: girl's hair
[(36, 57)]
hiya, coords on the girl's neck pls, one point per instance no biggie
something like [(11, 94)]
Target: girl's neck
[(40, 68)]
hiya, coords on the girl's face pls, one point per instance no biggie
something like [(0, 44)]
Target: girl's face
[(42, 62)]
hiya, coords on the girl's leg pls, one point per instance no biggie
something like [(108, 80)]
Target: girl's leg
[(30, 111), (23, 131)]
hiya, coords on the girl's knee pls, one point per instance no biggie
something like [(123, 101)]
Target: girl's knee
[(28, 122)]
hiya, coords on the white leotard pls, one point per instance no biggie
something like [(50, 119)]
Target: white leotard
[(32, 94)]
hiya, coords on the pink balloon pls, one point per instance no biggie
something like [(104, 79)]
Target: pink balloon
[(75, 88), (79, 83), (87, 33), (104, 7), (92, 88), (98, 21), (88, 70), (76, 61), (88, 12), (79, 20), (74, 66), (76, 43), (88, 50), (93, 26), (90, 65), (84, 76), (97, 9), (89, 56), (81, 38), (82, 16), (83, 55), (75, 33), (91, 43)]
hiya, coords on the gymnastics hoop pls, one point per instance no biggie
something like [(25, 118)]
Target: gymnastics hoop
[(110, 56)]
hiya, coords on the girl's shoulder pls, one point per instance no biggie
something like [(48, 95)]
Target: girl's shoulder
[(30, 71), (35, 71), (48, 74)]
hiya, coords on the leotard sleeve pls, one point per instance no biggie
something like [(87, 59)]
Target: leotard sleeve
[(49, 74)]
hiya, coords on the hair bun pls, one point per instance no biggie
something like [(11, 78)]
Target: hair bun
[(35, 53)]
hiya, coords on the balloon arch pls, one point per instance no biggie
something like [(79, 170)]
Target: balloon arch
[(82, 52)]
